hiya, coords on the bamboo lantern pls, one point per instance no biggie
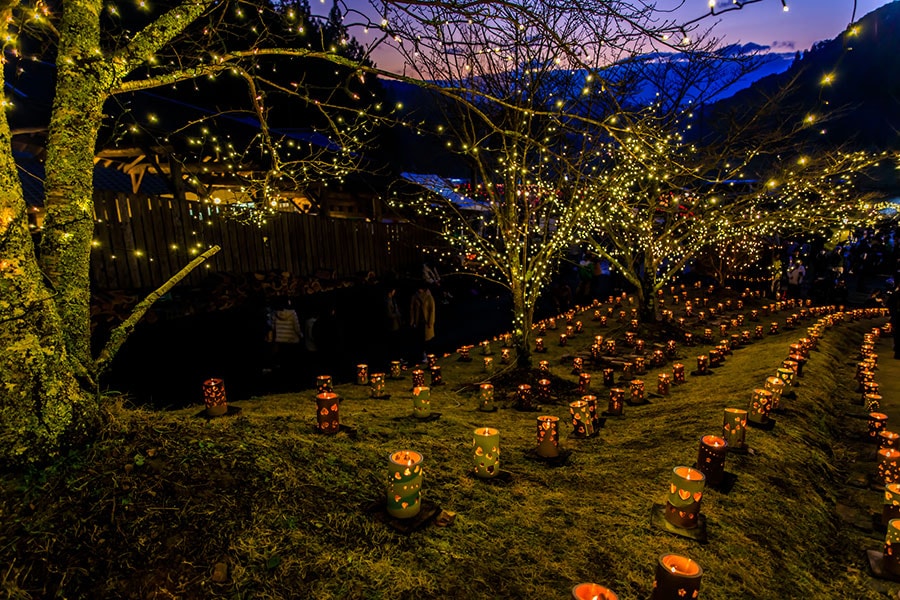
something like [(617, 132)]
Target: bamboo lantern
[(702, 363), (888, 469), (773, 327), (548, 436), (639, 346), (640, 365), (488, 364), (598, 340), (715, 358), (376, 385), (616, 401), (603, 320), (758, 332), (362, 374), (464, 354), (582, 423), (214, 397), (870, 388), (542, 328), (579, 327), (584, 382), (486, 348), (637, 391), (610, 346), (877, 422), (395, 369), (592, 591), (760, 406), (793, 365), (745, 336), (754, 315), (539, 345), (543, 391), (404, 487), (723, 329), (888, 439), (891, 506), (418, 378), (570, 330), (327, 414), (776, 386), (551, 323), (787, 376), (524, 397), (734, 341), (431, 360), (504, 356), (685, 494), (577, 365), (671, 348), (872, 402), (421, 402), (711, 458), (892, 548), (707, 334), (678, 373), (609, 377), (592, 409), (436, 378), (597, 315), (663, 384), (629, 338), (486, 451), (734, 427), (486, 397), (633, 325), (627, 370), (324, 384)]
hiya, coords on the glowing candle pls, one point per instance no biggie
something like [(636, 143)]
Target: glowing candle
[(362, 374), (616, 401), (436, 378), (486, 397), (539, 345), (892, 548), (486, 452), (548, 436), (776, 386), (421, 401), (504, 356), (582, 423), (577, 365), (543, 391), (592, 591), (486, 348), (609, 377), (876, 423), (214, 397), (376, 385), (702, 363), (327, 414), (584, 382), (640, 365), (678, 373), (637, 391), (524, 397), (488, 364), (685, 495), (324, 384), (395, 369), (888, 439), (663, 384), (891, 506), (711, 458), (418, 378), (760, 406), (563, 339), (404, 488), (888, 469)]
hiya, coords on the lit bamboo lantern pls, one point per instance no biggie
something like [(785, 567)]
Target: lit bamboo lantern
[(658, 358), (486, 450), (551, 323), (663, 384), (640, 365), (524, 397), (888, 469), (570, 330), (431, 360), (773, 327), (734, 341), (724, 347), (793, 365), (872, 402), (582, 424), (745, 336), (787, 376), (418, 378), (548, 436), (891, 559), (707, 334), (504, 356), (610, 346), (543, 391), (596, 353), (544, 367), (629, 338), (592, 591), (597, 315), (464, 354), (577, 365), (685, 495), (637, 391), (734, 427), (723, 329), (633, 324), (711, 458), (436, 377), (877, 422), (639, 346), (362, 374), (681, 321), (376, 385), (324, 384), (627, 370), (486, 397), (327, 414), (603, 321), (702, 363), (214, 397), (422, 402), (678, 373), (616, 401), (758, 332), (584, 382), (609, 377), (754, 315), (689, 310), (488, 364), (671, 348), (776, 386), (404, 489), (760, 406), (891, 506), (486, 348), (542, 329), (888, 439), (870, 388), (395, 369), (592, 410), (715, 358), (539, 345)]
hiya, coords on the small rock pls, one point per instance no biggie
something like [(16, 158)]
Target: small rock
[(445, 518), (220, 573)]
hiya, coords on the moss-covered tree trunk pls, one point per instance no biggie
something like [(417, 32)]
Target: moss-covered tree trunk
[(523, 317)]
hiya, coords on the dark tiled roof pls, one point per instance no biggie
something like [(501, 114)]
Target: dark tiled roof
[(31, 173)]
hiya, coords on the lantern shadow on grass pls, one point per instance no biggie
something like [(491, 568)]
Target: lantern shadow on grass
[(769, 425), (377, 509), (561, 460), (346, 430), (412, 418)]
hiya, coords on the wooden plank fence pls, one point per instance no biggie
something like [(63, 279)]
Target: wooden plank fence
[(141, 241)]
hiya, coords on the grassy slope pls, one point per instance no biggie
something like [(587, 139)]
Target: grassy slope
[(147, 511)]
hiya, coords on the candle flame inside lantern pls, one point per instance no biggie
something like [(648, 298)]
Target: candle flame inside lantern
[(680, 564)]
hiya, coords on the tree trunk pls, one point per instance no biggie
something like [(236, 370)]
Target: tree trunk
[(523, 317), (646, 300)]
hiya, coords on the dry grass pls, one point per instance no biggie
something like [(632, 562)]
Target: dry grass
[(148, 511)]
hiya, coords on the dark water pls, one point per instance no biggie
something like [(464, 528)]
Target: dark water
[(163, 365)]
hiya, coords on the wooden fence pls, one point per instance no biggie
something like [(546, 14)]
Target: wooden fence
[(141, 241)]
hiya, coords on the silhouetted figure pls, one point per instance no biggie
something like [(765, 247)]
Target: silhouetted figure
[(421, 320)]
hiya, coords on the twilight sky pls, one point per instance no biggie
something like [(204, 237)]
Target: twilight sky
[(765, 23)]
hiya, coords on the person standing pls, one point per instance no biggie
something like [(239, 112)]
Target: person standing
[(421, 319), (287, 334), (392, 320), (795, 277)]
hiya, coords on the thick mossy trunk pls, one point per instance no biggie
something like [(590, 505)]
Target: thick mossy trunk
[(523, 316)]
